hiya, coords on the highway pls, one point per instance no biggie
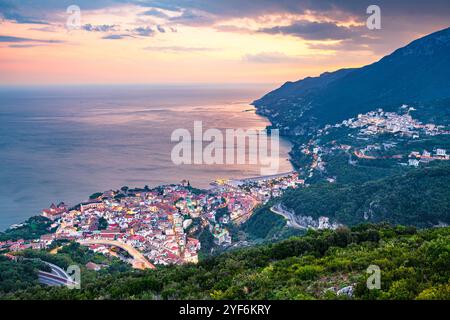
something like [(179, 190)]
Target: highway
[(52, 279), (57, 270), (57, 276), (137, 256)]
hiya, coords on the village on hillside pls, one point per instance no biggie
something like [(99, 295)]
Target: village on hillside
[(372, 136)]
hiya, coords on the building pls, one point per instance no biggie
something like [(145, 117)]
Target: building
[(221, 235), (324, 223), (93, 266), (97, 205), (413, 162), (54, 212), (426, 154)]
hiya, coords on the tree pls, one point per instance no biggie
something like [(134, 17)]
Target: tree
[(102, 223), (207, 242), (95, 195)]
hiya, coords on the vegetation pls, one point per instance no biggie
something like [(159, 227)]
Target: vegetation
[(18, 275), (195, 191), (264, 224), (222, 212), (74, 254), (420, 197), (31, 229), (207, 242), (95, 195), (414, 265), (102, 223)]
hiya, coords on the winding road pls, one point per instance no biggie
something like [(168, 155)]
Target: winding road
[(289, 216)]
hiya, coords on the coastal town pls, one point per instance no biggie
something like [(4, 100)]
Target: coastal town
[(158, 226), (161, 226)]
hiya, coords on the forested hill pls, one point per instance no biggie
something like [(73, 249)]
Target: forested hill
[(415, 73), (414, 265), (420, 197)]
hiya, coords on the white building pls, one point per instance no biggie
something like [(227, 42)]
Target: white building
[(413, 162), (426, 154)]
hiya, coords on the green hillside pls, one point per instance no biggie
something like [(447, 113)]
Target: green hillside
[(420, 197), (413, 264)]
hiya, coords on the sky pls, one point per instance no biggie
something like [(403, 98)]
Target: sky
[(201, 41)]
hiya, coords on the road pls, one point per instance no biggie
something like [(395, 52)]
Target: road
[(137, 256), (261, 178), (57, 270), (289, 216), (52, 279), (361, 155), (57, 276)]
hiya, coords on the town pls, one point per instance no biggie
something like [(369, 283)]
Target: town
[(158, 226), (379, 121), (372, 136)]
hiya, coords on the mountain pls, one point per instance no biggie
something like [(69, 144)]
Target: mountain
[(416, 73)]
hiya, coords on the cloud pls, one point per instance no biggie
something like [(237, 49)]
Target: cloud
[(179, 49), (217, 10), (100, 28), (402, 20), (314, 30), (233, 29), (143, 31), (249, 8), (47, 28), (12, 39), (194, 18), (344, 45), (117, 36), (155, 13), (22, 46), (49, 11), (173, 6), (18, 18), (132, 33), (270, 58)]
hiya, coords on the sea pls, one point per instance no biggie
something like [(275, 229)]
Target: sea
[(64, 143)]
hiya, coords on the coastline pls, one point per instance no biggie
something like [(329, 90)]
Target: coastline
[(68, 167), (235, 182), (63, 217), (156, 226)]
